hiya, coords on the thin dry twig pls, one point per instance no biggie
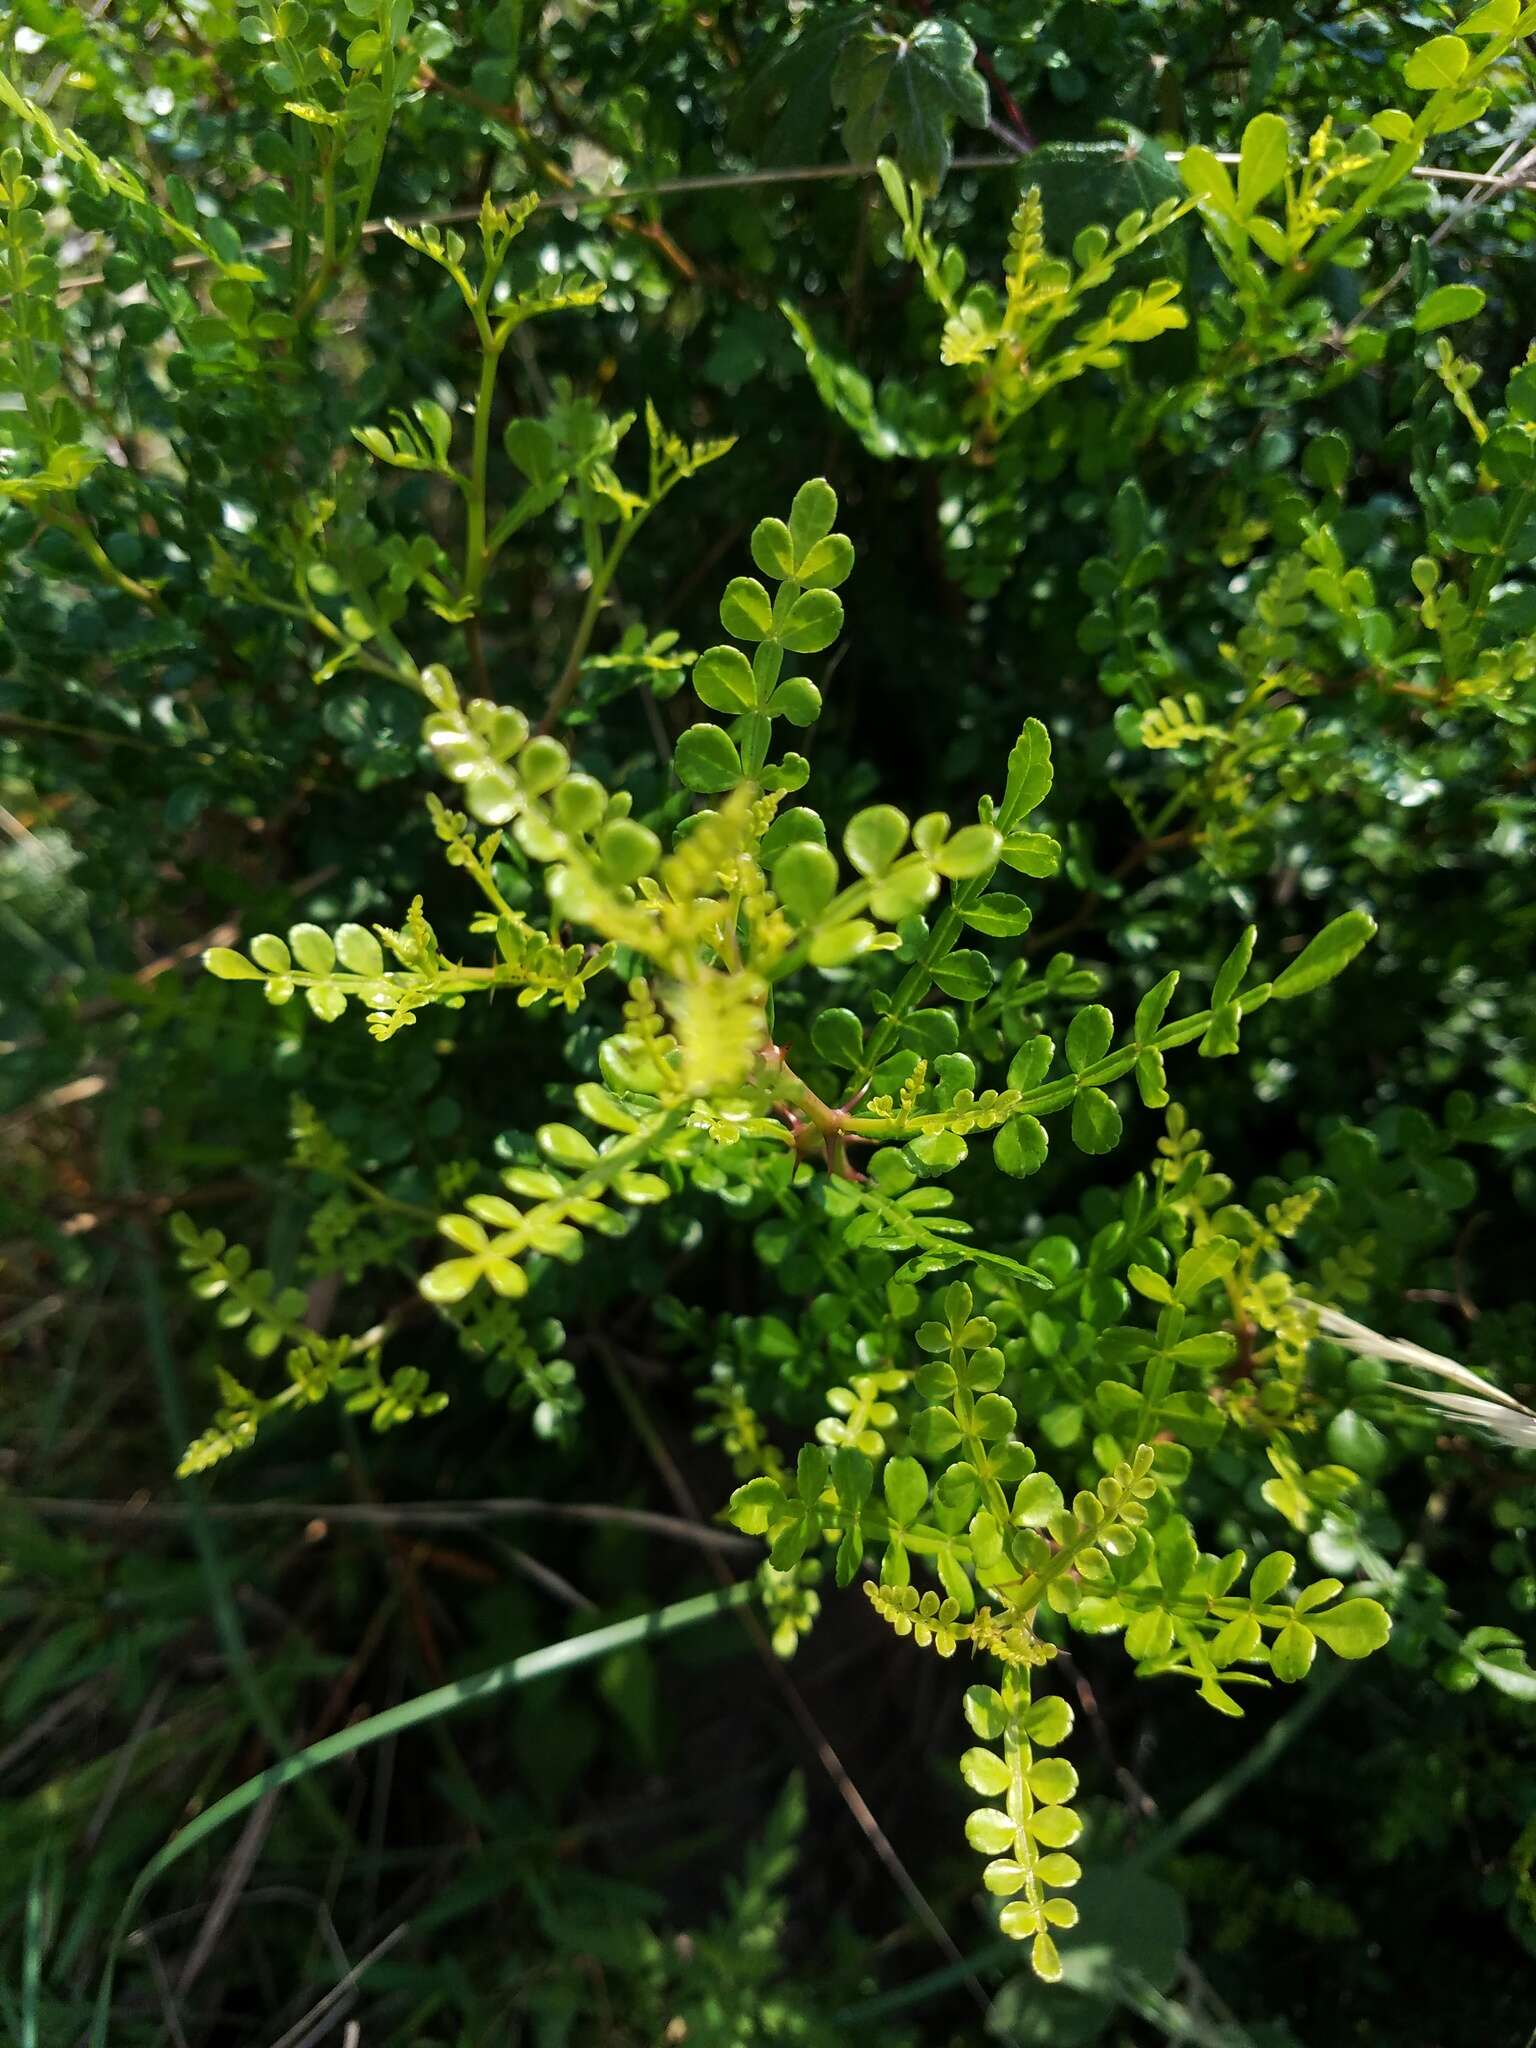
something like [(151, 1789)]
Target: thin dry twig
[(549, 1580), (726, 181), (682, 1494), (391, 1514), (236, 1876), (1488, 186), (50, 1717), (175, 2033), (1139, 1800), (223, 934), (65, 1097), (144, 1720), (327, 2010)]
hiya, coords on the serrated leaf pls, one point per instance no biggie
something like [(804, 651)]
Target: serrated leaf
[(781, 114), (1207, 178), (1153, 1006), (1269, 1575), (722, 679), (805, 880), (1021, 1146), (1437, 65), (874, 837), (811, 517), (1084, 184), (1261, 164), (964, 974), (814, 622), (1447, 305), (745, 609), (912, 87), (751, 1508), (998, 915), (1204, 1263), (1352, 1629), (1089, 1036), (1229, 976), (1032, 1062), (1032, 853), (706, 759), (1096, 1123), (1328, 954), (1177, 1555), (1292, 1652), (1037, 1499), (1029, 776), (1150, 1283), (906, 1489)]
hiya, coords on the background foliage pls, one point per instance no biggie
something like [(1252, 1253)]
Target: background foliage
[(1238, 497)]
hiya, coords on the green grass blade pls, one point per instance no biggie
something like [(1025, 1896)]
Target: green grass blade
[(32, 1957), (426, 1707)]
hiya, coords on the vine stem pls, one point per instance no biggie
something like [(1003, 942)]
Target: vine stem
[(474, 530), (335, 260), (1054, 1095), (586, 625), (795, 1100), (75, 522), (1400, 164)]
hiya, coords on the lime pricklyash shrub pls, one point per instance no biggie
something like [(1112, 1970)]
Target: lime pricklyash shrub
[(1194, 494), (717, 942)]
